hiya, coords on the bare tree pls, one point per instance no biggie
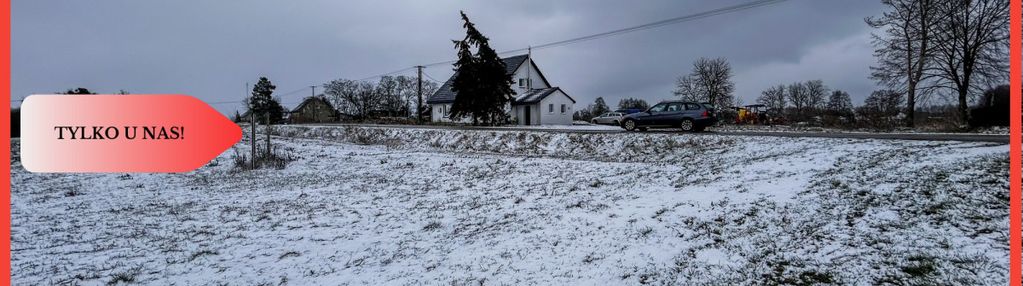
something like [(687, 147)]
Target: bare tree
[(839, 108), (351, 97), (408, 88), (839, 103), (340, 94), (389, 95), (687, 89), (971, 47), (797, 95), (773, 98), (710, 81), (881, 109), (816, 92), (407, 92), (904, 51)]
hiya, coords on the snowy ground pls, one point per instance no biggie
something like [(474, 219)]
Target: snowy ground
[(420, 206), (578, 125), (794, 128)]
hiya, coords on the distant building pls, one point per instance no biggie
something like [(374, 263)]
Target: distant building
[(313, 109), (535, 101)]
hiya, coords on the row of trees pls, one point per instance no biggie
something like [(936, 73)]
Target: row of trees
[(599, 107), (802, 101), (813, 101), (390, 96), (928, 47)]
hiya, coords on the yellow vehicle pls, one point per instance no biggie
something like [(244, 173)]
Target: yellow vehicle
[(750, 114)]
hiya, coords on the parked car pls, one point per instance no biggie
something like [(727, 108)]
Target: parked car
[(613, 118), (689, 116)]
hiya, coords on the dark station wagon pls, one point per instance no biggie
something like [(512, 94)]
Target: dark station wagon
[(689, 116)]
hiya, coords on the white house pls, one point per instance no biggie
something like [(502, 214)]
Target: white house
[(535, 101)]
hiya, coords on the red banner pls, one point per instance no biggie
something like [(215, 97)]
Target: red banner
[(121, 133)]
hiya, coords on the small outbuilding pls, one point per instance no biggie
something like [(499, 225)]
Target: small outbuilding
[(313, 109)]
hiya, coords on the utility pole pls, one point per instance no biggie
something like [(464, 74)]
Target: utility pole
[(314, 89), (419, 90), (268, 135), (529, 70), (252, 136), (252, 131)]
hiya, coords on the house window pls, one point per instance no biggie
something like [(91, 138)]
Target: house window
[(562, 109), (550, 108), (524, 82)]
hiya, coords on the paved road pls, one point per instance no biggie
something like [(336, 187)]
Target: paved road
[(968, 137)]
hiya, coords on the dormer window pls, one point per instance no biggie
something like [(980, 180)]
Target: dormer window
[(523, 82)]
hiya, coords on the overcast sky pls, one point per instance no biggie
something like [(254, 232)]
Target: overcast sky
[(210, 49)]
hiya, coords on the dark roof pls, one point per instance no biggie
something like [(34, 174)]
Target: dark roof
[(512, 64), (309, 99), (444, 94), (537, 95)]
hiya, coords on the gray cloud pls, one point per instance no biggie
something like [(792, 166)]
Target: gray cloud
[(210, 49)]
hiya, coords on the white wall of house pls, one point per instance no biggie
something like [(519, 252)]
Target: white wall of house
[(526, 70), (519, 113), (557, 116), (440, 113)]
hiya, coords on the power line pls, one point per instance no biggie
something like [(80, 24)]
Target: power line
[(292, 92), (665, 22), (431, 78), (226, 102), (387, 74), (681, 19)]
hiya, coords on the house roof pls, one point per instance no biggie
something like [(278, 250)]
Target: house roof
[(537, 95), (310, 99), (444, 94)]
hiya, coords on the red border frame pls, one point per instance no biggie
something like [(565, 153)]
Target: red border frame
[(1015, 207), (5, 144), (1015, 154)]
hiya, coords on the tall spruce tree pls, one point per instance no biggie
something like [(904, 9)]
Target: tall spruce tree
[(599, 107), (481, 83), (262, 103)]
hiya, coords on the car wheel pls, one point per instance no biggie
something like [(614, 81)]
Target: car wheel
[(617, 123), (593, 121), (629, 125), (687, 125)]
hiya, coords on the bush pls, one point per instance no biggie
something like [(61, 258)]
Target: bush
[(881, 110), (993, 108), (276, 159)]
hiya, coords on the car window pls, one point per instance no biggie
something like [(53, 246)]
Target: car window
[(659, 107), (692, 106), (674, 107)]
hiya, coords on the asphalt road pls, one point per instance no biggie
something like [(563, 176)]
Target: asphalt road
[(966, 137)]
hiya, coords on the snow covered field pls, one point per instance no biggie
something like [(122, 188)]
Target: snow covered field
[(419, 206)]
